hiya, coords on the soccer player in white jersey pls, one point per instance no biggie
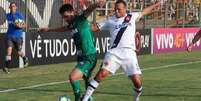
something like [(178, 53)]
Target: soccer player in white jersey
[(122, 50)]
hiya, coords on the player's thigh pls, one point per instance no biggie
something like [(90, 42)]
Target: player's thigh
[(130, 65), (87, 64), (18, 44), (111, 63), (75, 74), (9, 46)]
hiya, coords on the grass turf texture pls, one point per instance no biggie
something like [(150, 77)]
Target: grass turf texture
[(170, 83)]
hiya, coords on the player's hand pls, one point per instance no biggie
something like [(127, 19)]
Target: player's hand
[(94, 27), (17, 25), (189, 48), (43, 29), (101, 3), (20, 25)]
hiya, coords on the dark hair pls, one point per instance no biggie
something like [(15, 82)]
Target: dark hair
[(65, 7), (13, 3), (121, 1)]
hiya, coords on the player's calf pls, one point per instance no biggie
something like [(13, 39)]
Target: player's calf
[(76, 89), (7, 64), (137, 86), (101, 75), (74, 78), (94, 83)]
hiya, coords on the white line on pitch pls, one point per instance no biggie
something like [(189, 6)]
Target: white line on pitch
[(55, 83)]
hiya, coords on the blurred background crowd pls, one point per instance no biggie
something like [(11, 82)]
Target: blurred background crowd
[(175, 13)]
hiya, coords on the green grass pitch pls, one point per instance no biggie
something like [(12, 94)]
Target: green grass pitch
[(166, 77)]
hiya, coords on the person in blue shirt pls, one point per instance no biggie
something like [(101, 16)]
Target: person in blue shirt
[(14, 35)]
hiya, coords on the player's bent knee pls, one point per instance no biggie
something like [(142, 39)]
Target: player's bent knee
[(75, 75), (71, 77), (20, 53), (101, 75), (136, 79)]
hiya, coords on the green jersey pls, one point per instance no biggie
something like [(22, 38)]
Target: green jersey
[(83, 36)]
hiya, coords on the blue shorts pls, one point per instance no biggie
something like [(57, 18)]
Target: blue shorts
[(14, 43)]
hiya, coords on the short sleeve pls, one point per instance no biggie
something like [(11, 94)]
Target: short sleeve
[(104, 25), (137, 16)]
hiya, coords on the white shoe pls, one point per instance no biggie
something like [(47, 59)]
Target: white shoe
[(137, 99)]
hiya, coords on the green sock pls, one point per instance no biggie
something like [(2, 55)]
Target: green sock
[(86, 83), (76, 89)]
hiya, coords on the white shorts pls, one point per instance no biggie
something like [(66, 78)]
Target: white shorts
[(124, 58)]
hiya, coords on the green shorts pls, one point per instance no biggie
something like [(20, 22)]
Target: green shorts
[(86, 64)]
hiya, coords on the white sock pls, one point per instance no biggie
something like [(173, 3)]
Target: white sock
[(90, 89), (138, 92), (8, 58)]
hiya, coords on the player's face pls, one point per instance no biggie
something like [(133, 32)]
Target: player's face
[(13, 7), (68, 16), (120, 10)]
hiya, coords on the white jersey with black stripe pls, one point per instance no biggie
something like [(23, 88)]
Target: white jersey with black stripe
[(114, 24)]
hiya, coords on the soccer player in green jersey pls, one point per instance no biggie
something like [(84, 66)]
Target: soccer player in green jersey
[(84, 41)]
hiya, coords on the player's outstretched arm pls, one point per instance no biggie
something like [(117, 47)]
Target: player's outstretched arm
[(195, 39), (138, 42), (59, 29), (149, 9), (92, 7)]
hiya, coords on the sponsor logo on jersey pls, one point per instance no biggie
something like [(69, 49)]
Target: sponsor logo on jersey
[(122, 25)]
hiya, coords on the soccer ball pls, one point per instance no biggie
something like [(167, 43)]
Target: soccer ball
[(19, 21), (63, 98)]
